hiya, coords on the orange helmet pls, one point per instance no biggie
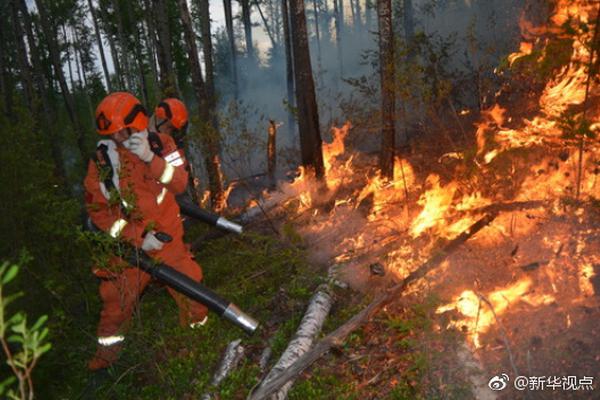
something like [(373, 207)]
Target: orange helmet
[(173, 110), (118, 111)]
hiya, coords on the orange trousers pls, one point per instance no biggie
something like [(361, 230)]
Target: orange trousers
[(121, 294)]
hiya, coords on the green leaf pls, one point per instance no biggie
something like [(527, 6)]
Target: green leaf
[(15, 339), (39, 322), (9, 299), (43, 349), (6, 383), (10, 275)]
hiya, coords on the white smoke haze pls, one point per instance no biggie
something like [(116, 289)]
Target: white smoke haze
[(262, 83)]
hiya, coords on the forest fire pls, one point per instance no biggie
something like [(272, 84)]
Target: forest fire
[(400, 220)]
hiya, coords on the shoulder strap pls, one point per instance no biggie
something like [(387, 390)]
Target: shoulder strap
[(156, 144), (106, 168)]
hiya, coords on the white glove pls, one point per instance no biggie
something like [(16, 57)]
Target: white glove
[(138, 144), (151, 243)]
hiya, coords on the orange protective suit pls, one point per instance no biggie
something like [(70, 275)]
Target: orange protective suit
[(148, 193)]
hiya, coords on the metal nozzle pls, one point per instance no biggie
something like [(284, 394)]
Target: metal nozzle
[(224, 223), (240, 318)]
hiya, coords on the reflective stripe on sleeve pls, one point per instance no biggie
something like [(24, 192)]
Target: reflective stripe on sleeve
[(117, 227), (161, 196), (110, 340), (167, 175), (174, 159)]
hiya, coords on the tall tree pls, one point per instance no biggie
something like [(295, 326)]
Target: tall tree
[(44, 115), (100, 46), (386, 60), (207, 48), (209, 134), (23, 61), (4, 75), (308, 115), (50, 34), (232, 50), (165, 54), (247, 27), (123, 43), (289, 67), (409, 26), (339, 24), (316, 15)]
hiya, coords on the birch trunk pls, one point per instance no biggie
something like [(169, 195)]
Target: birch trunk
[(310, 326)]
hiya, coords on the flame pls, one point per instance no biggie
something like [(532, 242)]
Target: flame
[(524, 50), (478, 318), (336, 147), (585, 279), (435, 201)]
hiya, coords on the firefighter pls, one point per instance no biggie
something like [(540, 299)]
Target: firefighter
[(170, 117), (130, 194)]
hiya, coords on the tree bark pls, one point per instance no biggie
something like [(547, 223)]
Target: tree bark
[(100, 46), (140, 65), (207, 49), (358, 16), (50, 34), (316, 13), (151, 40), (272, 152), (24, 66), (247, 27), (45, 115), (165, 58), (409, 26), (368, 14), (388, 101), (308, 115), (5, 87), (289, 67), (209, 134), (68, 51), (339, 27), (123, 45), (231, 37)]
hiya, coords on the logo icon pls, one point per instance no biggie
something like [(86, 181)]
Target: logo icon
[(498, 382)]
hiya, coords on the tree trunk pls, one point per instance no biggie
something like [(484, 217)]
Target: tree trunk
[(231, 37), (4, 76), (409, 26), (289, 68), (165, 58), (209, 134), (358, 15), (308, 115), (116, 63), (272, 152), (247, 28), (151, 41), (316, 13), (50, 34), (368, 14), (123, 45), (140, 65), (68, 50), (207, 50), (100, 46), (339, 23), (266, 24), (24, 66), (386, 57), (45, 115)]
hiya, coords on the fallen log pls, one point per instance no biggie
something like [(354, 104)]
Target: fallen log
[(309, 328), (336, 337)]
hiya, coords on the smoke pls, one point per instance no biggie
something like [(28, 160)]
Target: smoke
[(476, 34)]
